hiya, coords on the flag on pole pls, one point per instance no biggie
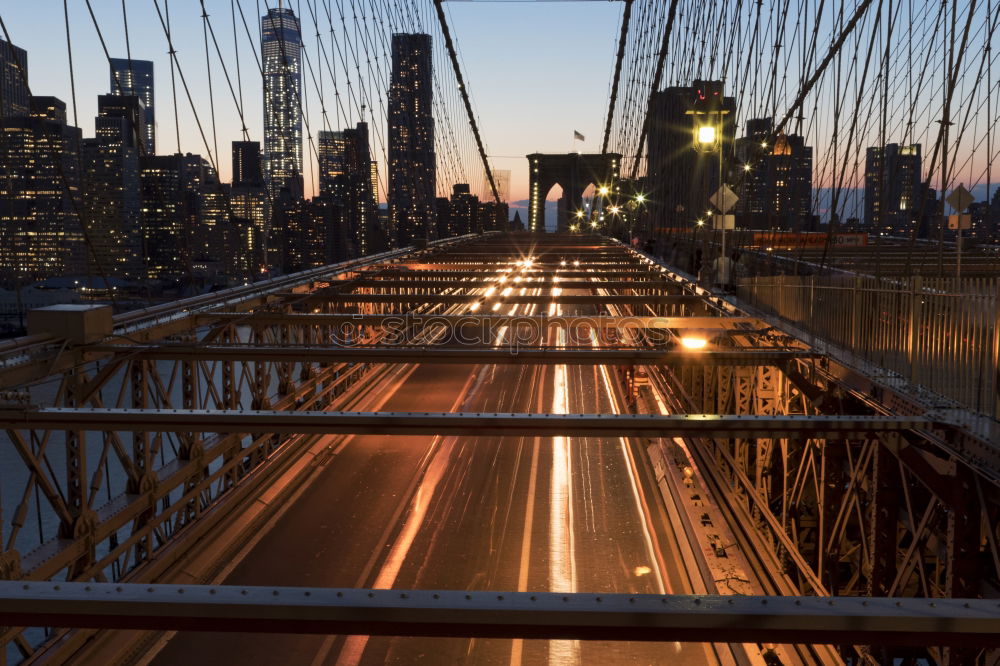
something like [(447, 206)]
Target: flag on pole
[(577, 136)]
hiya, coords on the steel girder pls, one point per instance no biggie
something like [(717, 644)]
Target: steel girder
[(484, 614), (546, 281), (513, 355), (540, 299), (539, 322), (457, 423), (483, 272)]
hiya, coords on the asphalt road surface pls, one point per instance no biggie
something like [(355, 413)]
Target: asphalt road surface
[(468, 513)]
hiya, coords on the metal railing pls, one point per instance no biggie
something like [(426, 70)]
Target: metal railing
[(940, 334)]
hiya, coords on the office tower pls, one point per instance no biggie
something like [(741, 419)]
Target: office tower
[(40, 234), (442, 209), (679, 178), (360, 211), (464, 211), (412, 179), (493, 216), (774, 179), (328, 220), (110, 163), (162, 216), (130, 109), (246, 164), (374, 179), (893, 190), (212, 231), (135, 77), (174, 212), (13, 81), (330, 153), (281, 50), (250, 211)]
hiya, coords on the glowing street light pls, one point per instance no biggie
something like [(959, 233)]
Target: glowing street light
[(640, 198), (706, 135), (603, 191), (693, 343), (614, 210)]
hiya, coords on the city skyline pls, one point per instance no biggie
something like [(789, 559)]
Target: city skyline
[(50, 76), (501, 87)]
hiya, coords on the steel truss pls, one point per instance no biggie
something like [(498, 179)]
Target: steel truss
[(891, 514), (133, 443)]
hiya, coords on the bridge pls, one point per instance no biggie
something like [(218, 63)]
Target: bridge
[(467, 443)]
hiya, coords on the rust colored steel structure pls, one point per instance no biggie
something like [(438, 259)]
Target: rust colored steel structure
[(145, 438)]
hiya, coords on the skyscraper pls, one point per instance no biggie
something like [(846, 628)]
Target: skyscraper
[(13, 80), (360, 211), (464, 210), (281, 49), (110, 163), (135, 77), (776, 187), (412, 178), (246, 164), (893, 189), (330, 153), (131, 110), (41, 234)]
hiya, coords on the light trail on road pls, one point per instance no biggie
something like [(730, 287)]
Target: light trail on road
[(480, 512)]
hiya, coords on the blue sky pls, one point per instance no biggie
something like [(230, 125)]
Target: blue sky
[(536, 71)]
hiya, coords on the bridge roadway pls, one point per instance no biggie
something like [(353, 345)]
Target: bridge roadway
[(468, 513)]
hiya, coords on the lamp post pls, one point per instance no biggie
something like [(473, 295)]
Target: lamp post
[(707, 114)]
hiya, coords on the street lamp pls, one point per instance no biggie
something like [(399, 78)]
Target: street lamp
[(603, 191), (706, 136), (707, 112), (693, 343)]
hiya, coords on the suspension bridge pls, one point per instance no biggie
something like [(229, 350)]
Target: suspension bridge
[(701, 410)]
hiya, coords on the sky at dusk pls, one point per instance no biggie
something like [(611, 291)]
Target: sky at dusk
[(536, 71)]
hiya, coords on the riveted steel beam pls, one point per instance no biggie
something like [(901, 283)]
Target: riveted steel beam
[(487, 614), (563, 299), (457, 423), (514, 355), (744, 324)]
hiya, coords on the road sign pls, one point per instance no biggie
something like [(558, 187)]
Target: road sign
[(960, 198), (961, 221), (724, 199), (723, 221)]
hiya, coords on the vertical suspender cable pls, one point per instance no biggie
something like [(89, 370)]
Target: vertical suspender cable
[(465, 97)]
